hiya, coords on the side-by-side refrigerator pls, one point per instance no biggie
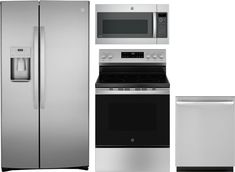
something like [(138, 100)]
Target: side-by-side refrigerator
[(44, 79)]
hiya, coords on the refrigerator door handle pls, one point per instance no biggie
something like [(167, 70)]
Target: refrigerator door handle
[(42, 67), (35, 60)]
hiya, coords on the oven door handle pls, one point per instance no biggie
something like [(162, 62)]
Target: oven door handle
[(107, 91)]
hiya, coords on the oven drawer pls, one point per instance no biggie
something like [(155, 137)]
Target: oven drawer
[(132, 120)]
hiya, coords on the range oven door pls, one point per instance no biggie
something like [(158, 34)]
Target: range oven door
[(131, 24), (132, 120)]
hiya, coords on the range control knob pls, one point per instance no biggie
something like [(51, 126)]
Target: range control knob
[(148, 56), (154, 56), (110, 56), (161, 56), (103, 56)]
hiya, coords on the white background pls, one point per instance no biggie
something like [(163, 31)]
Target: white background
[(200, 56)]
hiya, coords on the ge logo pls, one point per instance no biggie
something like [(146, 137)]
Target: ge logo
[(132, 140)]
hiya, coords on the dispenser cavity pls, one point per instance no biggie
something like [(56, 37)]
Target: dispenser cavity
[(20, 64)]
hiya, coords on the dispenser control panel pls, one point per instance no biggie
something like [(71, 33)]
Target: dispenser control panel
[(19, 52)]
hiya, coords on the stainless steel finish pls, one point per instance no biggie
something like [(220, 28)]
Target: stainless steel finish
[(205, 131), (35, 67), (156, 56), (64, 120), (39, 0), (42, 67), (162, 8), (126, 8), (132, 159), (126, 40), (131, 91), (154, 8), (19, 118), (1, 50), (62, 0), (19, 0), (163, 40), (154, 25)]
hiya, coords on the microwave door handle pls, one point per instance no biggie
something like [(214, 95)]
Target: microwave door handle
[(35, 67), (154, 25), (42, 67)]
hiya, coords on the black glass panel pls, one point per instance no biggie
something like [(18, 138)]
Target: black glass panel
[(125, 26), (132, 78), (132, 120), (132, 55), (132, 116)]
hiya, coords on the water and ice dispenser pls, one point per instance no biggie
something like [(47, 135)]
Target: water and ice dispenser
[(20, 64)]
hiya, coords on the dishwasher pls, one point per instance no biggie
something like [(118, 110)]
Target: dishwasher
[(204, 133)]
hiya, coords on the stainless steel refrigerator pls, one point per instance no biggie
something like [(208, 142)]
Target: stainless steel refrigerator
[(44, 79)]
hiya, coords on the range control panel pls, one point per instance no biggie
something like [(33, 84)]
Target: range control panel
[(132, 56)]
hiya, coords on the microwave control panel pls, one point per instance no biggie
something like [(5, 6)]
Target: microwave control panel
[(162, 25)]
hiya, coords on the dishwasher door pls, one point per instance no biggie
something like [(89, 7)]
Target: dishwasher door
[(204, 131)]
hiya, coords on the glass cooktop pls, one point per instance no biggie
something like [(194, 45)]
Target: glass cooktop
[(132, 78), (132, 81)]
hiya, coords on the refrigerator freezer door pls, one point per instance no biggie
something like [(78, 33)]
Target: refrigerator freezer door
[(204, 131), (19, 117), (64, 110)]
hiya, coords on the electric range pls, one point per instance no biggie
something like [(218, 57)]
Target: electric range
[(132, 111)]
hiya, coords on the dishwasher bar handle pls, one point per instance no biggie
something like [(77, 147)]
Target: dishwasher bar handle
[(204, 102)]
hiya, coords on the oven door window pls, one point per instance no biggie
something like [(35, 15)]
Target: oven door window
[(125, 25), (132, 120)]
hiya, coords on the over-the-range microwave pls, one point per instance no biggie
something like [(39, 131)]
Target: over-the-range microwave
[(132, 24)]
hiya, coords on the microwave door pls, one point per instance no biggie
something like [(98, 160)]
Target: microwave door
[(125, 27)]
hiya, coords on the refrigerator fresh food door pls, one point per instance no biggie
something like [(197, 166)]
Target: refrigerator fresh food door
[(19, 99), (204, 131), (64, 84)]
